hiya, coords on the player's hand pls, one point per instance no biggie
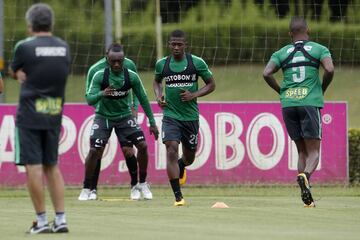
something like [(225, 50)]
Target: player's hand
[(186, 95), (154, 131), (161, 102), (20, 76), (109, 91), (134, 112)]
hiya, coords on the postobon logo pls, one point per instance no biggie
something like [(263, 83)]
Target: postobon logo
[(68, 135)]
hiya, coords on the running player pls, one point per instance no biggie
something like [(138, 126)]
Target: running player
[(90, 185), (181, 115), (109, 92), (301, 96)]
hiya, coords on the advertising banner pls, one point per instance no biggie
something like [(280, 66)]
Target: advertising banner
[(238, 142)]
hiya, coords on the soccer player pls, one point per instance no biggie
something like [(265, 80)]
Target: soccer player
[(89, 191), (181, 115), (301, 96), (109, 92), (41, 64)]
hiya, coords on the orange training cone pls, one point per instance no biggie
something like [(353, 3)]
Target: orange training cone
[(219, 205)]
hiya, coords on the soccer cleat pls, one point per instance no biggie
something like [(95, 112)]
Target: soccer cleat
[(305, 190), (312, 205), (145, 190), (182, 179), (179, 203), (61, 228), (84, 195), (34, 229), (93, 195), (135, 193)]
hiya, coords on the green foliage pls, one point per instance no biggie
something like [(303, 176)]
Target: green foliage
[(219, 32), (354, 156)]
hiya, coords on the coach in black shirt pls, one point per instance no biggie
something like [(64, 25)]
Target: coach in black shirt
[(41, 64)]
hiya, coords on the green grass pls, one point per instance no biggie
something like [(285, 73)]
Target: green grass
[(234, 83), (254, 213)]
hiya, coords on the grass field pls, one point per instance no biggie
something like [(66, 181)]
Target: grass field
[(254, 213), (234, 83)]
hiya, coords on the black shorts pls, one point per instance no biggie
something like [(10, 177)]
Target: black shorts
[(185, 132), (127, 131), (303, 122), (33, 146)]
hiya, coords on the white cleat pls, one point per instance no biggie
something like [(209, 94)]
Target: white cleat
[(145, 190), (135, 193), (93, 195), (84, 195)]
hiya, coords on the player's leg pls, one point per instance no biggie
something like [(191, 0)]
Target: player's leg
[(29, 153), (292, 119), (311, 130), (302, 154), (129, 133), (189, 140), (171, 135), (313, 150), (54, 178), (132, 165), (100, 133)]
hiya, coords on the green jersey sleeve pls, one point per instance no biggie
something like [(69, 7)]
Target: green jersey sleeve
[(95, 94), (140, 93), (129, 64), (159, 67), (324, 53), (275, 58), (202, 68)]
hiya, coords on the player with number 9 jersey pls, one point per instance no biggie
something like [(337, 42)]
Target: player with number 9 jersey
[(301, 85)]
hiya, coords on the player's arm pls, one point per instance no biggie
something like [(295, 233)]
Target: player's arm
[(135, 107), (209, 87), (94, 94), (89, 77), (15, 69), (158, 86), (140, 92), (328, 66), (204, 72), (269, 70)]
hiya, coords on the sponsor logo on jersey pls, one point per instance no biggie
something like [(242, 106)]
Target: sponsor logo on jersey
[(50, 51), (180, 85), (119, 93), (297, 93), (307, 48)]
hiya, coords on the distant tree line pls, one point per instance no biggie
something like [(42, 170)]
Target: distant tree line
[(171, 9)]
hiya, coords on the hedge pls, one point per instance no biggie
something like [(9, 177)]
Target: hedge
[(354, 156), (240, 42)]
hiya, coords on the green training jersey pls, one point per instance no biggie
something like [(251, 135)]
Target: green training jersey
[(179, 76), (301, 85), (117, 108), (102, 64)]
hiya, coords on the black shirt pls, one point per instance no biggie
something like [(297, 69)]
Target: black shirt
[(46, 61)]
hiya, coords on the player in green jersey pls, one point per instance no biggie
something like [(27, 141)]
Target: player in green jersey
[(127, 149), (180, 71), (301, 96), (109, 92)]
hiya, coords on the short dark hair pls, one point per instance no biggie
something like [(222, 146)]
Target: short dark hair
[(115, 47), (40, 17), (298, 25), (177, 34)]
